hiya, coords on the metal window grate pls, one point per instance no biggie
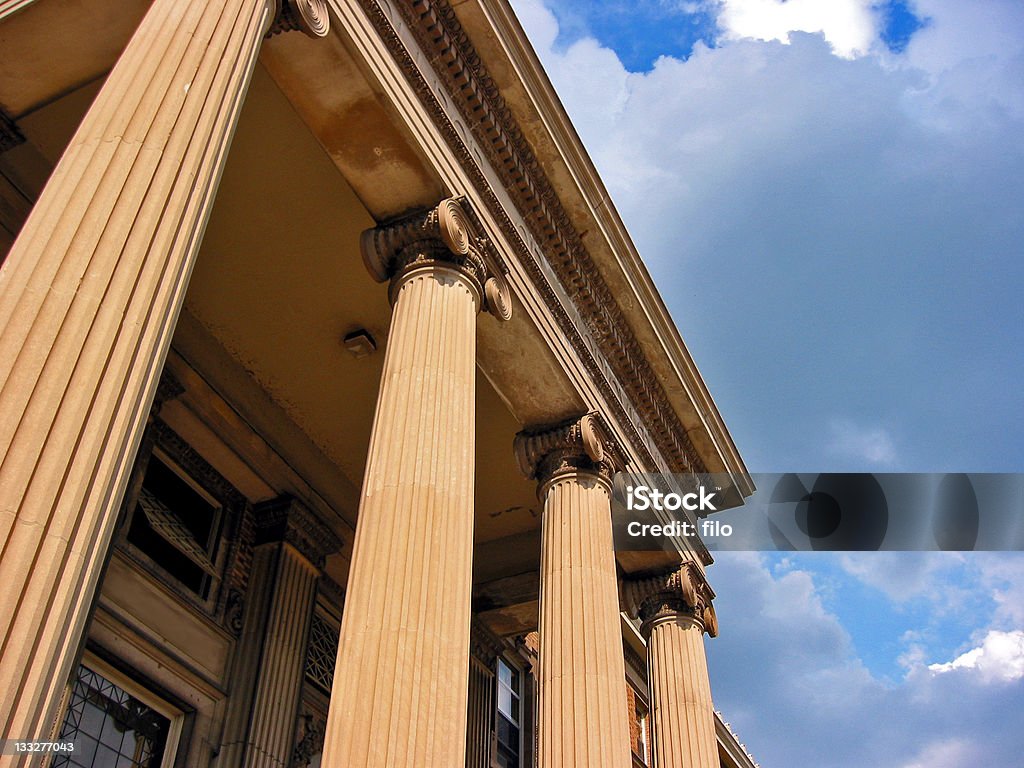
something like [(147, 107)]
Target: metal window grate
[(321, 654), (165, 522), (110, 727)]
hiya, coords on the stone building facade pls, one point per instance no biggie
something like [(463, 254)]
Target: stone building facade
[(320, 341)]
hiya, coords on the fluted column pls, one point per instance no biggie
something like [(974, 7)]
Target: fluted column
[(89, 294), (583, 718), (400, 684), (676, 611), (291, 545)]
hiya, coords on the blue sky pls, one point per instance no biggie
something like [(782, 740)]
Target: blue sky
[(829, 196)]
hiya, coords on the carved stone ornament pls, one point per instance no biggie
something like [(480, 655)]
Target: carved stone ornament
[(482, 108), (309, 739), (582, 444), (234, 610), (682, 591), (484, 645), (444, 235), (286, 519), (308, 16)]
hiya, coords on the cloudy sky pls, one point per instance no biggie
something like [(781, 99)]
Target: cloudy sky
[(830, 195)]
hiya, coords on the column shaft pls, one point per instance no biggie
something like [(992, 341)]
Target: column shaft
[(276, 703), (583, 718), (400, 685), (682, 713), (88, 298)]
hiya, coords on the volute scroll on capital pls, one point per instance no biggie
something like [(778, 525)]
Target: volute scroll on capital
[(446, 235), (681, 591), (583, 444), (307, 16)]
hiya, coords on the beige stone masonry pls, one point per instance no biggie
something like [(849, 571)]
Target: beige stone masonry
[(89, 294), (291, 546), (582, 716), (676, 611), (401, 681)]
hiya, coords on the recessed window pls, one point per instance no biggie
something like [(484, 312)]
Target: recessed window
[(114, 728), (176, 525), (509, 719)]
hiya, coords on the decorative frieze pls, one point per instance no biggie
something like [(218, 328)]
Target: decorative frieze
[(307, 16), (582, 444), (443, 235), (478, 99), (287, 519)]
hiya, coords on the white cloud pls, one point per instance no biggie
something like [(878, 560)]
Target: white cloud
[(999, 658), (904, 576), (873, 445), (849, 26), (787, 674), (1002, 575), (823, 229)]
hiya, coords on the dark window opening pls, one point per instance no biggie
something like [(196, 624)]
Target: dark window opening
[(176, 526)]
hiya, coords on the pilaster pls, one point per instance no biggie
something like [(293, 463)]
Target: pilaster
[(291, 545)]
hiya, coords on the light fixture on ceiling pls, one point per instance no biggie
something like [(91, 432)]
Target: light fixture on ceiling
[(360, 343)]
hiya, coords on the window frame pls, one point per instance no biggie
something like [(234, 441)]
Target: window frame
[(179, 457), (519, 696), (138, 690)]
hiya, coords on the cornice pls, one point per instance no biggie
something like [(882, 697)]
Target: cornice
[(438, 33)]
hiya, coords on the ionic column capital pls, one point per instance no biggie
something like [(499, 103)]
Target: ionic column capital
[(446, 236), (582, 445), (680, 592), (307, 16), (286, 519)]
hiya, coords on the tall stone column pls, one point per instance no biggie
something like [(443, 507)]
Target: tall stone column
[(89, 294), (291, 545), (583, 718), (676, 611), (400, 684)]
